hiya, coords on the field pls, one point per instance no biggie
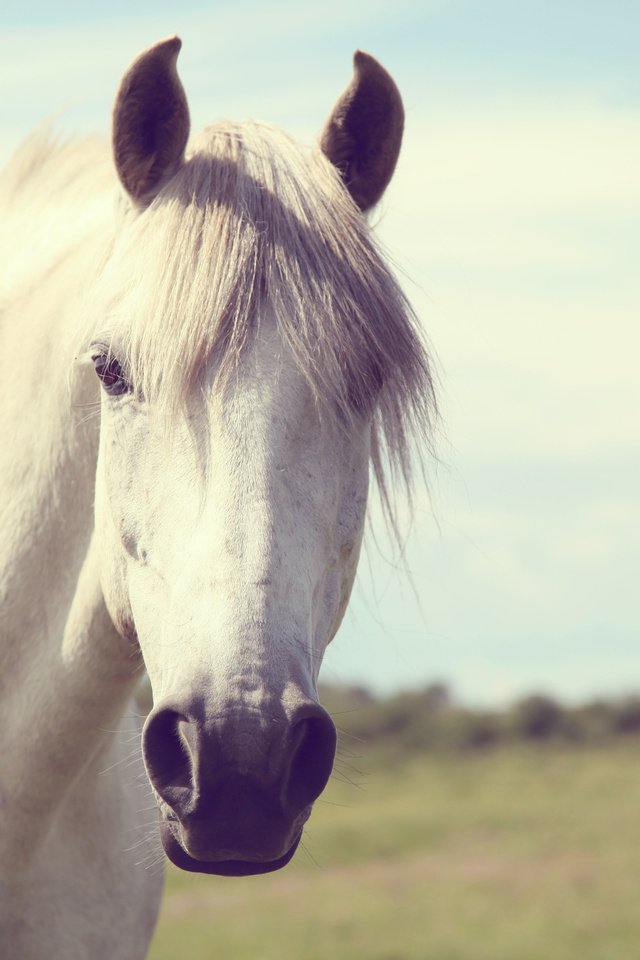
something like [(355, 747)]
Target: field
[(515, 853)]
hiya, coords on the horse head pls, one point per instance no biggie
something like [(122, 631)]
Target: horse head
[(252, 348)]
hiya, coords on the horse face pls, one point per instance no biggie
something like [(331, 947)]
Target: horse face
[(229, 546), (230, 535)]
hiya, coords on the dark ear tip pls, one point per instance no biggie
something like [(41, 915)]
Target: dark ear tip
[(374, 76), (172, 46), (362, 60), (364, 64), (165, 51), (162, 54)]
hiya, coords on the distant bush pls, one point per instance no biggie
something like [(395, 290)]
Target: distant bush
[(627, 716), (538, 717), (592, 722), (481, 729), (430, 720)]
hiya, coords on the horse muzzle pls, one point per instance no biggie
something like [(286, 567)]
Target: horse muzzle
[(236, 790)]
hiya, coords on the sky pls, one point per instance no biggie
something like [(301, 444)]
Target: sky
[(514, 224)]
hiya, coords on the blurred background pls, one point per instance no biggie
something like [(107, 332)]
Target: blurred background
[(485, 801)]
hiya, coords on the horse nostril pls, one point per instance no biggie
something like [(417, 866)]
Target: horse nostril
[(167, 755), (314, 738), (209, 774)]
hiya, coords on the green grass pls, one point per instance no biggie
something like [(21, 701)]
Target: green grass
[(513, 854)]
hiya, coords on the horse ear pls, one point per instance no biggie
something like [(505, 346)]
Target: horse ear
[(363, 134), (150, 122)]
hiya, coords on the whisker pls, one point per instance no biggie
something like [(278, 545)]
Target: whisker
[(308, 853)]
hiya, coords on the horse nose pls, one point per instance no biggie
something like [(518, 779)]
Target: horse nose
[(313, 747), (168, 757), (191, 761)]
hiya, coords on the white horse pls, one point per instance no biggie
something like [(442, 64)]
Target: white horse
[(253, 356)]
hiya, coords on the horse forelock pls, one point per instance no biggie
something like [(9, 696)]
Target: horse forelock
[(253, 222)]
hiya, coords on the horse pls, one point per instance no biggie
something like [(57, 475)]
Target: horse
[(204, 356)]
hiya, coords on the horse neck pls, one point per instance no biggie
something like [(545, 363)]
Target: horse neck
[(65, 675)]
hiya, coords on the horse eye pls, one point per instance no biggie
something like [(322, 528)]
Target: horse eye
[(111, 374)]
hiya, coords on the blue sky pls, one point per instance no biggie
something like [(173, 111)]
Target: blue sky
[(514, 219)]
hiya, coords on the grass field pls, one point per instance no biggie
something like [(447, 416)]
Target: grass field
[(520, 853)]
